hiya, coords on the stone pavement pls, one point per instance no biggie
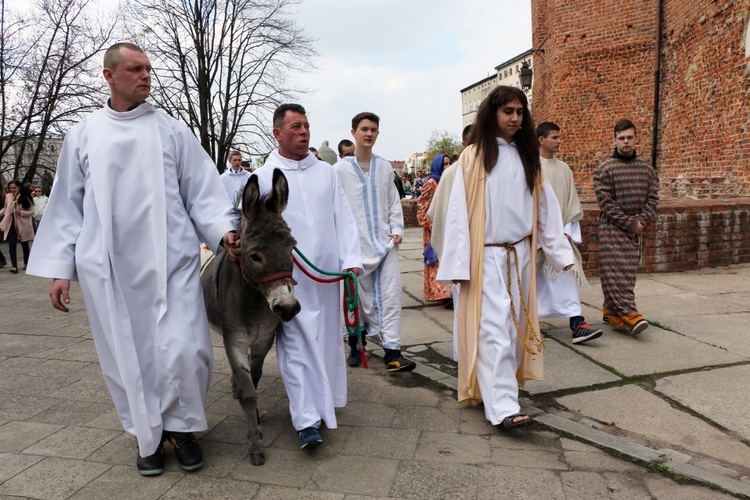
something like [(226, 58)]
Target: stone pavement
[(619, 417)]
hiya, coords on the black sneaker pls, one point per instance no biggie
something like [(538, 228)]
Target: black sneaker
[(584, 332), (152, 465), (395, 362), (186, 449)]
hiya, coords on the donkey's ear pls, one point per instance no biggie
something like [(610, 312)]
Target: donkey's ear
[(279, 195), (250, 197)]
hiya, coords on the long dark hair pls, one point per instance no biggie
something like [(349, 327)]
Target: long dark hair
[(24, 198), (485, 131)]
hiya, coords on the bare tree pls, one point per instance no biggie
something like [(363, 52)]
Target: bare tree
[(55, 76), (221, 65)]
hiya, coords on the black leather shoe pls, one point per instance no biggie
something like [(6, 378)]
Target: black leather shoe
[(152, 465), (186, 449)]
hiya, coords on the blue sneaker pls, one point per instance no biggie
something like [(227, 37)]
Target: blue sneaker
[(309, 438)]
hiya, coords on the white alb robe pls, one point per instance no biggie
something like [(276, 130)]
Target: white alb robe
[(309, 348), (558, 297), (376, 205), (508, 219), (123, 180), (234, 183)]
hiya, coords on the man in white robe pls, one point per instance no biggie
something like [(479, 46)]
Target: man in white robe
[(308, 348), (367, 180), (493, 221), (557, 293), (234, 179), (133, 197)]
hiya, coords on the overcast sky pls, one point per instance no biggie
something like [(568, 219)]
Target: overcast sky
[(404, 60)]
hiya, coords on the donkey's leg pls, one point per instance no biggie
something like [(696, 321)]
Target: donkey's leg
[(258, 352), (236, 344)]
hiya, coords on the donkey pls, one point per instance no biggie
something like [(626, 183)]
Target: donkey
[(247, 301)]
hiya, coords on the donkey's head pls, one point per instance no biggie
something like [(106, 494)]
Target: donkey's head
[(267, 245)]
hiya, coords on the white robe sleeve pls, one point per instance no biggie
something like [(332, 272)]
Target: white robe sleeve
[(347, 235), (395, 212), (550, 229), (202, 191), (53, 253), (454, 262), (573, 229)]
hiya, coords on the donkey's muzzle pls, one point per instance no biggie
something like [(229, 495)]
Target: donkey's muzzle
[(286, 311)]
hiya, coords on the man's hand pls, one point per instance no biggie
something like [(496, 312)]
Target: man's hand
[(60, 289), (354, 270), (637, 227), (232, 245), (397, 239)]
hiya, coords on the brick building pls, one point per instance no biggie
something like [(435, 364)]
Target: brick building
[(599, 64)]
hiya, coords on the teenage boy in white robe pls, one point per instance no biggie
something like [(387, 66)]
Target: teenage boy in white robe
[(234, 179), (557, 293), (133, 197), (367, 180), (499, 208), (309, 348)]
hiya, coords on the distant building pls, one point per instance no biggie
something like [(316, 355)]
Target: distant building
[(46, 164), (414, 162), (397, 165), (506, 73)]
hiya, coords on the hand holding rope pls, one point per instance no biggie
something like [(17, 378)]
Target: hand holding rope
[(351, 297)]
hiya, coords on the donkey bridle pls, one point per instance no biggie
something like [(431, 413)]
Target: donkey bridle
[(262, 280)]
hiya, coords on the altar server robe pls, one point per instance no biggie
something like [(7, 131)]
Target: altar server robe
[(309, 347), (133, 197), (376, 205)]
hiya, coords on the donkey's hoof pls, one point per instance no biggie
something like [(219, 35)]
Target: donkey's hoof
[(257, 458)]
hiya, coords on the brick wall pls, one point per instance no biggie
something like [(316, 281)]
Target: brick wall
[(599, 66), (688, 234), (409, 206)]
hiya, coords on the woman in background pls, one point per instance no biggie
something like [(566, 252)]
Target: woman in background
[(433, 289), (16, 224)]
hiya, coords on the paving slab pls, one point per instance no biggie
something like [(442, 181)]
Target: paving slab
[(372, 477), (728, 407), (636, 410), (72, 442), (22, 407), (728, 331), (282, 467), (32, 345), (282, 493), (14, 463), (382, 442), (195, 486), (17, 436), (429, 480), (426, 418), (686, 304), (53, 478), (708, 281), (565, 369), (506, 482), (416, 328), (666, 489), (653, 351), (453, 448), (118, 480)]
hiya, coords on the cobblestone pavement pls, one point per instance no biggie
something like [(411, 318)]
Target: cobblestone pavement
[(670, 397)]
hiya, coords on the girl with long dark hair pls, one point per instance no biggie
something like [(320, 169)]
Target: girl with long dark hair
[(500, 209), (17, 223)]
